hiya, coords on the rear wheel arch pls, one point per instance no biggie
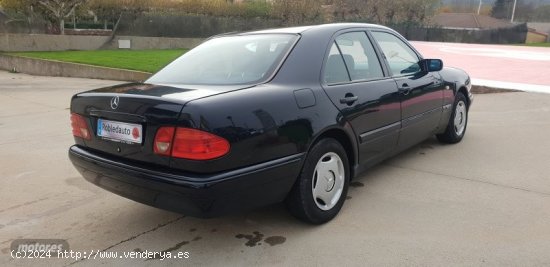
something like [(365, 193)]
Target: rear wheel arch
[(344, 139), (321, 188)]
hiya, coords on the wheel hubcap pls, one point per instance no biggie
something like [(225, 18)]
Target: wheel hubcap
[(328, 181), (460, 118)]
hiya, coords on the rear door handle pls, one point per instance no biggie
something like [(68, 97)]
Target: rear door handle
[(404, 89), (349, 99)]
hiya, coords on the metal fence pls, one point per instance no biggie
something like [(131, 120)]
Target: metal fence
[(196, 26), (201, 26), (512, 35), (205, 26)]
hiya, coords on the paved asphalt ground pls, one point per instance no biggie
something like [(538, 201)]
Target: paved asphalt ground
[(485, 201), (501, 66)]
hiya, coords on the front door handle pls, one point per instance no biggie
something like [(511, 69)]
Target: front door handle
[(349, 99)]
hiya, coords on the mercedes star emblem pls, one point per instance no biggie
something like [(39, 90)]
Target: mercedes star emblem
[(114, 102)]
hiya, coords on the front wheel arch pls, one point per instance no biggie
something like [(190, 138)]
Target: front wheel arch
[(450, 136), (464, 91)]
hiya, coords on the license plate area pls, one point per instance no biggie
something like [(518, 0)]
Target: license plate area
[(122, 132)]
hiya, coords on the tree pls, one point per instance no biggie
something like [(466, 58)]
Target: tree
[(417, 11), (384, 12), (524, 12), (500, 9), (387, 12), (293, 12), (347, 10), (112, 10), (20, 10), (59, 10), (542, 14)]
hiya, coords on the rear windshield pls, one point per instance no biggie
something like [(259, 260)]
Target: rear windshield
[(230, 60)]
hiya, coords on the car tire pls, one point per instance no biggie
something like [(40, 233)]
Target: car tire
[(456, 127), (320, 190)]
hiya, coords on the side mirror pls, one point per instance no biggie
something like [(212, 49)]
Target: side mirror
[(429, 65)]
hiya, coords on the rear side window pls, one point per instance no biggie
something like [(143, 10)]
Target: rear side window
[(352, 58), (335, 69), (401, 58), (229, 60), (359, 56)]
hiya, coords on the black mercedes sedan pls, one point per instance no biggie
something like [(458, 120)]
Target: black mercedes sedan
[(249, 119)]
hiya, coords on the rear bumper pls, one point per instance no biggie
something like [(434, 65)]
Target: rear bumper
[(198, 196)]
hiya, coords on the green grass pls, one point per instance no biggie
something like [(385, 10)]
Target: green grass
[(141, 60), (538, 44)]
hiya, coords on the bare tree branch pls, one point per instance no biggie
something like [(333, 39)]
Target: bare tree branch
[(61, 9)]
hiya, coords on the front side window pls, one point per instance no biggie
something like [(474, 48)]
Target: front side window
[(229, 60), (402, 60)]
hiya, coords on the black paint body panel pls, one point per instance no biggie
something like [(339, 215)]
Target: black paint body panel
[(264, 124), (199, 196)]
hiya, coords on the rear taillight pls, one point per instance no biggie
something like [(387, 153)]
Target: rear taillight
[(198, 145), (189, 144), (80, 127), (163, 140)]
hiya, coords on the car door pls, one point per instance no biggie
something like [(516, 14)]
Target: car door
[(359, 86), (421, 91)]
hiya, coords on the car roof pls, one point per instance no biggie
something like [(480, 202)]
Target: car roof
[(321, 27)]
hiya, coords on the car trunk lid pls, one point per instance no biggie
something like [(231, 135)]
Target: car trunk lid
[(124, 119)]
